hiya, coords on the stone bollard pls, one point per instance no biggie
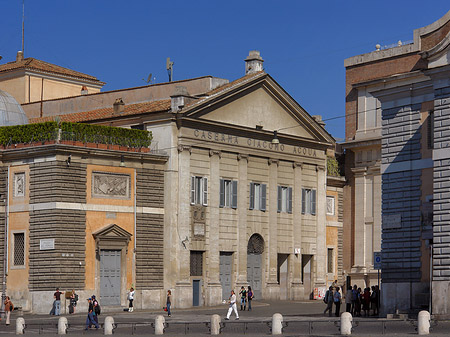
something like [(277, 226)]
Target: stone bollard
[(20, 326), (277, 324), (423, 323), (159, 325), (108, 326), (346, 323), (62, 326), (215, 324)]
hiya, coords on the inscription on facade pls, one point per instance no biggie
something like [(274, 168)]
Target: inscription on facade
[(254, 143), (19, 184), (110, 185)]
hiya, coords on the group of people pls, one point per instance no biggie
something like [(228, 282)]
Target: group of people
[(356, 300), (246, 299)]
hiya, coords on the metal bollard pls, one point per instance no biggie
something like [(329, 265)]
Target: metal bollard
[(20, 326), (215, 324), (277, 324), (159, 325), (346, 323), (108, 326), (62, 326), (423, 323)]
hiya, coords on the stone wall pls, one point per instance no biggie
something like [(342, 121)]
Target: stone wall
[(401, 193)]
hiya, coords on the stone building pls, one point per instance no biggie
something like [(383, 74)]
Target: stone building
[(399, 98), (245, 184)]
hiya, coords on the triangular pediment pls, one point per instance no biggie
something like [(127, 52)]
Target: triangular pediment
[(259, 102), (112, 232)]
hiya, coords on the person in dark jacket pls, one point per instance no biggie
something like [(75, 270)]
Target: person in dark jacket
[(90, 317)]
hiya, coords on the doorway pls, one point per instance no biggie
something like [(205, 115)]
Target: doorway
[(255, 248), (282, 276), (306, 276), (225, 273), (110, 274)]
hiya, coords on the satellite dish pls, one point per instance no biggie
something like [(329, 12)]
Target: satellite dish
[(149, 79)]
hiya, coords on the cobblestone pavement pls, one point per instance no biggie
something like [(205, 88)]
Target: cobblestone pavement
[(301, 319)]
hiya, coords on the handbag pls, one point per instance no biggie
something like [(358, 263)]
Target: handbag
[(165, 308)]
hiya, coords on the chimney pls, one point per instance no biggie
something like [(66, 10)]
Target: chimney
[(179, 99), (119, 106), (19, 57), (253, 62)]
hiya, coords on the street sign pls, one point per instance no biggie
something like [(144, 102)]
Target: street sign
[(376, 260)]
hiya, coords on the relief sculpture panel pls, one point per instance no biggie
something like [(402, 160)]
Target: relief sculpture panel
[(110, 185)]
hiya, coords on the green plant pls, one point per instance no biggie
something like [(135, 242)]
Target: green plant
[(333, 167), (28, 133)]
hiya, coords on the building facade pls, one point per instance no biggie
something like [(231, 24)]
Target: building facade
[(407, 98)]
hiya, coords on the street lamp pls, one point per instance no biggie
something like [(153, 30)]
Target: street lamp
[(5, 247)]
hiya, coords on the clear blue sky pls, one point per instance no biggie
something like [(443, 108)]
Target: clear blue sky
[(303, 43)]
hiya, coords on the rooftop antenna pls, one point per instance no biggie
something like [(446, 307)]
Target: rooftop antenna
[(149, 79), (23, 26), (169, 67)]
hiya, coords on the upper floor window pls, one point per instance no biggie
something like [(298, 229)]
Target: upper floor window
[(199, 191), (19, 249), (284, 199), (430, 130), (258, 196), (228, 193), (308, 201), (330, 205)]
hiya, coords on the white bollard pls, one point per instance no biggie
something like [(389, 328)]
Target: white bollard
[(20, 326), (159, 325), (62, 326), (215, 324), (423, 323), (108, 326), (277, 324), (346, 323)]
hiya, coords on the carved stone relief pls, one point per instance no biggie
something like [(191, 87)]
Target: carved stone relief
[(110, 185), (19, 184)]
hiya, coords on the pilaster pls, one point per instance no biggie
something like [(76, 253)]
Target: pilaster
[(296, 259), (321, 255), (273, 288), (242, 209)]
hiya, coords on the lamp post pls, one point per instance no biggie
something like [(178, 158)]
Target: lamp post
[(5, 247)]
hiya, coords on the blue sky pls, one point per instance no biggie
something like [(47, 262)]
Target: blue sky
[(303, 43)]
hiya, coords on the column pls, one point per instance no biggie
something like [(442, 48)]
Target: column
[(273, 288), (213, 289), (183, 288), (242, 235), (296, 259), (359, 227), (321, 251)]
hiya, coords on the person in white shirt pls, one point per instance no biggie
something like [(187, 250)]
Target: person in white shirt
[(232, 307), (130, 299)]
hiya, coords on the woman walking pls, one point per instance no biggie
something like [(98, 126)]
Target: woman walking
[(8, 308), (249, 297), (169, 302), (131, 299)]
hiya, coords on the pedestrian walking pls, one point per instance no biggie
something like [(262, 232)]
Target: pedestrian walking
[(337, 299), (243, 294), (328, 299), (9, 307), (97, 309), (249, 297), (131, 299), (169, 302), (90, 320), (354, 299), (73, 302), (57, 297), (232, 302)]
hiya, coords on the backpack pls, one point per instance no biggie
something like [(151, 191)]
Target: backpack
[(97, 308)]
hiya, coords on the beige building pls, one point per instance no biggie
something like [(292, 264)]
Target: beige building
[(31, 80), (246, 186)]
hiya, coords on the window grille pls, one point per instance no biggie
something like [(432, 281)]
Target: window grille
[(255, 244), (196, 263), (19, 249)]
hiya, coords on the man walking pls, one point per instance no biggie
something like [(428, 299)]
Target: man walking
[(232, 303), (329, 301), (90, 317)]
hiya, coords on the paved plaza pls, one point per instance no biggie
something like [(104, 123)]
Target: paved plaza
[(302, 318)]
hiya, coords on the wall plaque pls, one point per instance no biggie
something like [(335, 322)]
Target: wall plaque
[(19, 184), (46, 244), (392, 221), (110, 185), (199, 229)]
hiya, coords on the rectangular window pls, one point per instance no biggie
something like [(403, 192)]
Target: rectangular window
[(284, 199), (196, 263), (330, 205), (228, 193), (199, 191), (308, 201), (330, 257), (19, 249), (258, 196)]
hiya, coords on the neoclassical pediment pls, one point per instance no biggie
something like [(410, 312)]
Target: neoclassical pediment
[(112, 236)]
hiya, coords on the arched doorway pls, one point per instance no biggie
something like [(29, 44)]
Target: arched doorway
[(255, 248)]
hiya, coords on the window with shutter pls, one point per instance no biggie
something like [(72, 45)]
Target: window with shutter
[(289, 204), (313, 202), (222, 193), (205, 192), (303, 201), (234, 194), (192, 190), (280, 199), (263, 197), (252, 196)]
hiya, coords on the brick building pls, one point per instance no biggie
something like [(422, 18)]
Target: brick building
[(396, 151)]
